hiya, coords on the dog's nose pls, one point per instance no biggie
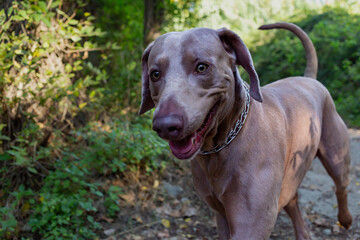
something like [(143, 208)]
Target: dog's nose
[(168, 127)]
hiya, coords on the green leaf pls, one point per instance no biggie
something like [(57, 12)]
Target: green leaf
[(23, 14), (90, 218), (2, 16), (82, 105), (46, 21), (98, 193), (55, 4), (73, 22), (19, 157), (6, 26), (131, 66), (10, 10), (6, 138), (79, 212), (75, 38), (62, 13), (92, 94), (5, 157), (42, 5), (33, 170), (37, 17), (68, 68), (17, 18)]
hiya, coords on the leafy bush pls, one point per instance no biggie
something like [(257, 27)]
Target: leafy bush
[(68, 203), (336, 36), (119, 146), (54, 79), (40, 83)]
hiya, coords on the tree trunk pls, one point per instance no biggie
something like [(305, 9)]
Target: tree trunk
[(153, 19)]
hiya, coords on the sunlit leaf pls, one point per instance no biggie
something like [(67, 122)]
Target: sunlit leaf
[(166, 223), (82, 105), (75, 38), (68, 68), (73, 22)]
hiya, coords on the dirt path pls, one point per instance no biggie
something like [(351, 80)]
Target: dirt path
[(174, 212)]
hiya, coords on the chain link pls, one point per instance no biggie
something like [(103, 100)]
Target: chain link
[(233, 132)]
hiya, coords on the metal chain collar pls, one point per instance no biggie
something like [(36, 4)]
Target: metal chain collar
[(233, 132)]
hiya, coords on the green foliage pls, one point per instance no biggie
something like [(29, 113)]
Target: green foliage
[(182, 15), (122, 86), (65, 205), (121, 146), (59, 74), (244, 17), (8, 221), (8, 213), (336, 36), (40, 80), (111, 199)]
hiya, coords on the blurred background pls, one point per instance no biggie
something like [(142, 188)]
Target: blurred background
[(77, 162)]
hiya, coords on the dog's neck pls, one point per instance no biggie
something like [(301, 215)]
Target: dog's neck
[(221, 133)]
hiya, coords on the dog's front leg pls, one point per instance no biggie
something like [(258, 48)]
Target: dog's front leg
[(249, 225), (223, 227), (250, 211)]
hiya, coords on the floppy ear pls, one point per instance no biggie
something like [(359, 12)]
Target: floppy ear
[(236, 48), (146, 100)]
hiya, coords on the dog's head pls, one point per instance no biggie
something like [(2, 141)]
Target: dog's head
[(192, 80)]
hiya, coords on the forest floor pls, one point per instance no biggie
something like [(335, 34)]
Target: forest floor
[(166, 206)]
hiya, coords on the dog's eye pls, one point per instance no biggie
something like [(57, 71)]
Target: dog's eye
[(201, 67), (155, 75)]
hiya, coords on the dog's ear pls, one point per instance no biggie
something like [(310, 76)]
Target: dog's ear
[(238, 50), (146, 100)]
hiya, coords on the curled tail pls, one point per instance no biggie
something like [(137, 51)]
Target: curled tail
[(311, 57)]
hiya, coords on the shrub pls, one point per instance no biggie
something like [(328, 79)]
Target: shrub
[(51, 157), (67, 203), (121, 146), (42, 50)]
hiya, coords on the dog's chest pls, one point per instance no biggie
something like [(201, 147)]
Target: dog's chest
[(212, 176)]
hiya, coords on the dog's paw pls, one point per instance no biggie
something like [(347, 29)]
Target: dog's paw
[(345, 219)]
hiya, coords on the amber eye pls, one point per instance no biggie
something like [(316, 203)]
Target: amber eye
[(201, 67), (155, 75)]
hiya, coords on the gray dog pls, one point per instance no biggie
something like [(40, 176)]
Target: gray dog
[(250, 147)]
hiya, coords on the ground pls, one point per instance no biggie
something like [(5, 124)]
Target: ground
[(166, 206)]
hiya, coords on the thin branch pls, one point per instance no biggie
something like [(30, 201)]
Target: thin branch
[(49, 4), (71, 17), (57, 14), (24, 30), (132, 230), (86, 50)]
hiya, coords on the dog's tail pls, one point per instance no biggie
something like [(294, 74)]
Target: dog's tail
[(311, 57)]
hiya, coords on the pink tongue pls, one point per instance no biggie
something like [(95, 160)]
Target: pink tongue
[(183, 146)]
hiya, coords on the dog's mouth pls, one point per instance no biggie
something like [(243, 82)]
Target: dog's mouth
[(188, 146)]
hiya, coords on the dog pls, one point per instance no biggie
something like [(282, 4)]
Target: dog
[(249, 146)]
